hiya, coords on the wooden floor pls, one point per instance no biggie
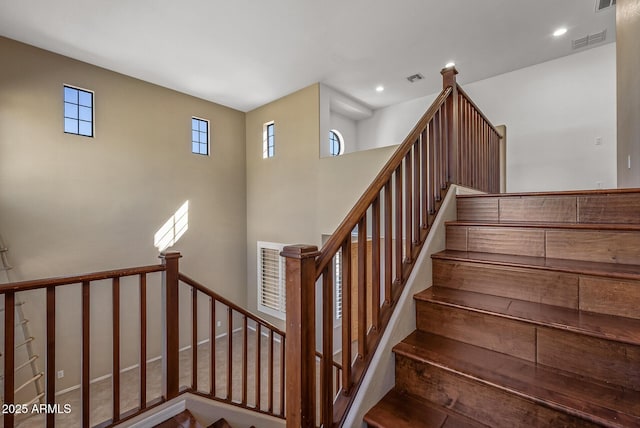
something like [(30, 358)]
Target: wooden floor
[(533, 319)]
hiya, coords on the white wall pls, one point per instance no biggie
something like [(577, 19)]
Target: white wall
[(390, 125), (346, 127), (553, 111)]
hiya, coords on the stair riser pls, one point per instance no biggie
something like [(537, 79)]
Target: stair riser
[(590, 293), (552, 288), (597, 246), (608, 296), (490, 332), (612, 208), (608, 361), (476, 400)]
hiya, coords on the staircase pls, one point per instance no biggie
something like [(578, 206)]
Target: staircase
[(186, 420), (533, 319)]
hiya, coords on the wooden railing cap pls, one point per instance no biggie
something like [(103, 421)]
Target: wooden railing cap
[(300, 251), (167, 255), (448, 77)]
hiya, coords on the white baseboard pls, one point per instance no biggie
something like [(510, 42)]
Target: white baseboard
[(161, 416)]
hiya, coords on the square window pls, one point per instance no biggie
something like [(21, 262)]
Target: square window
[(70, 110), (199, 136), (70, 126), (85, 128), (70, 95), (78, 111), (85, 98), (85, 114)]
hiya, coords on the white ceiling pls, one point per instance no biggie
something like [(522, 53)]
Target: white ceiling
[(245, 53)]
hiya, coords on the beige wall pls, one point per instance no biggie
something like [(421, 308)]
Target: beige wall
[(296, 197), (628, 82), (281, 190), (71, 204)]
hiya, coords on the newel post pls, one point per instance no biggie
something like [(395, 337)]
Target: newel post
[(170, 326), (451, 131), (300, 348)]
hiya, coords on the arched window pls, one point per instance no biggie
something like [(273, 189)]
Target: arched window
[(336, 143)]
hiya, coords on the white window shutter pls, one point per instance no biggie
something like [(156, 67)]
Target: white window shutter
[(271, 279)]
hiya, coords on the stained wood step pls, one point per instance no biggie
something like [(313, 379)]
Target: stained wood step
[(616, 244), (609, 270), (606, 288), (537, 333), (619, 329), (183, 419), (401, 410), (220, 423), (504, 391), (602, 206)]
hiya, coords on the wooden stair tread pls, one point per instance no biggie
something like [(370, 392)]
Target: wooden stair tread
[(220, 423), (551, 193), (183, 419), (610, 270), (603, 326), (402, 410), (548, 225), (603, 404)]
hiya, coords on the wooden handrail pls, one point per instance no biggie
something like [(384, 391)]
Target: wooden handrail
[(86, 281), (78, 279), (250, 324), (195, 284), (332, 245), (266, 335), (453, 143)]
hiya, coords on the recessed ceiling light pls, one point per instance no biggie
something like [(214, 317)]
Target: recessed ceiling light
[(559, 32), (379, 88), (450, 64)]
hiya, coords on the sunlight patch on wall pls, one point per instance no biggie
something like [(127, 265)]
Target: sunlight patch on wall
[(173, 229)]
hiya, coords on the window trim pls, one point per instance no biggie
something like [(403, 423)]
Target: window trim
[(265, 140), (281, 282), (208, 136), (93, 111)]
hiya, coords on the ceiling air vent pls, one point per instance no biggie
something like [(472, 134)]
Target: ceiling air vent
[(604, 4), (580, 43), (589, 40), (414, 78)]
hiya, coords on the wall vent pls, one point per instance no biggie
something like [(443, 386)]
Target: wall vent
[(589, 40), (414, 78), (604, 4)]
